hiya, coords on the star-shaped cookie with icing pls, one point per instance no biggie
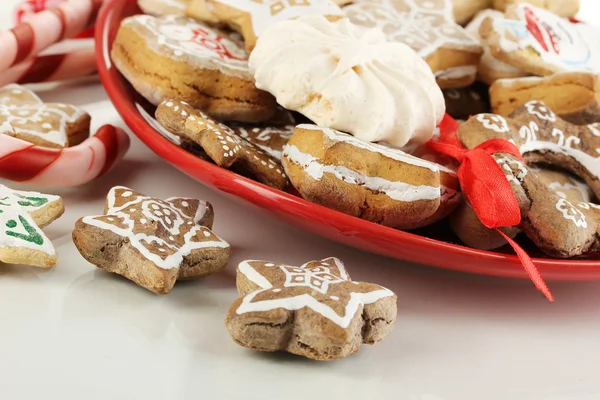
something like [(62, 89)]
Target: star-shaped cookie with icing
[(315, 310), (25, 116), (22, 216), (150, 241)]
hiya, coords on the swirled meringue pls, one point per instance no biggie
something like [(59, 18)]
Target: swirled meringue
[(349, 78)]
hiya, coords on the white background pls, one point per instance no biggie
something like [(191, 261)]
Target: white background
[(76, 332)]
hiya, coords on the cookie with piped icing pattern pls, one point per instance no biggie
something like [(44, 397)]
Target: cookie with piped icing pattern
[(314, 310), (270, 139), (173, 57), (220, 143), (25, 116), (22, 217), (150, 241), (428, 27)]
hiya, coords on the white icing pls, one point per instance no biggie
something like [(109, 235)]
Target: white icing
[(493, 122), (592, 164), (456, 72), (571, 213), (399, 191), (298, 302), (261, 140), (580, 187), (349, 78)]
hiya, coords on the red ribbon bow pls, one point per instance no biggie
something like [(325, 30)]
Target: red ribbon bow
[(486, 187)]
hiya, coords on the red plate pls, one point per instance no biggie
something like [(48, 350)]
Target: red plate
[(424, 247)]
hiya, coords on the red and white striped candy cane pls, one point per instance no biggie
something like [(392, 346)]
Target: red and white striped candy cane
[(52, 67), (21, 161), (38, 31)]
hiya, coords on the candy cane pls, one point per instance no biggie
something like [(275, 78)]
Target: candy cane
[(21, 161), (38, 31)]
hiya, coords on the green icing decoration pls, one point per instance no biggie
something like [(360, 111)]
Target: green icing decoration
[(11, 224), (31, 201), (32, 237)]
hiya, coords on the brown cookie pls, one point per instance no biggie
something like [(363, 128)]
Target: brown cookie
[(574, 96), (464, 10), (314, 310), (269, 139), (150, 241), (221, 143), (472, 100), (178, 58), (25, 116)]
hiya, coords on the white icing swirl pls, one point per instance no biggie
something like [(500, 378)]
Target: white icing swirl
[(349, 78)]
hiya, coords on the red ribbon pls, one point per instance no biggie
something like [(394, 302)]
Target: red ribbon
[(486, 187)]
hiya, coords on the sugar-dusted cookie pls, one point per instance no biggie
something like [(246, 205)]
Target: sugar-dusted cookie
[(269, 139), (22, 217), (314, 310), (563, 8), (395, 97), (462, 103), (25, 116), (429, 28), (163, 7), (178, 58), (366, 180), (542, 43), (150, 241), (465, 10), (221, 143), (574, 96)]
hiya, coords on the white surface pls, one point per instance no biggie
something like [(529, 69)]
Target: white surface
[(75, 332)]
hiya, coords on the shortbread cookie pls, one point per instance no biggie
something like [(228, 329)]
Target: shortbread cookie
[(366, 180), (314, 310), (198, 10), (25, 116), (22, 217), (542, 43), (563, 8), (472, 100), (221, 143), (269, 139), (178, 58), (150, 241), (251, 18), (311, 64), (163, 7), (465, 10), (574, 96), (429, 28)]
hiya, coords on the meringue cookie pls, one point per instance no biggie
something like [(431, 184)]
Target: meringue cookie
[(349, 78)]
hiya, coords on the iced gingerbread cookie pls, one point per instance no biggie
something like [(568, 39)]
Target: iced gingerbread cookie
[(366, 180), (310, 64), (269, 139), (220, 143), (22, 217), (314, 310), (574, 96), (428, 27), (176, 57), (541, 43), (563, 8), (462, 103), (25, 116), (490, 68), (465, 10), (150, 241), (163, 7)]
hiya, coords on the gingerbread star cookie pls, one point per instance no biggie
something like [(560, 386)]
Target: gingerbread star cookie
[(25, 116), (173, 57), (428, 27), (22, 216), (150, 241), (220, 143), (315, 310)]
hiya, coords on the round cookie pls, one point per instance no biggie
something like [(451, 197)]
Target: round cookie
[(177, 58), (366, 180)]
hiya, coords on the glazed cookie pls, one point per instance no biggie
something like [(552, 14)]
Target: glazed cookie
[(563, 8), (462, 103), (542, 43), (315, 310), (221, 143), (366, 180), (176, 57), (464, 10), (163, 7), (150, 241), (310, 64), (22, 217), (428, 27), (25, 116), (574, 96)]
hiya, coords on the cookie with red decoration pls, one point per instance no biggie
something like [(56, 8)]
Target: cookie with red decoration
[(314, 310), (25, 116), (178, 58), (150, 241), (220, 143)]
